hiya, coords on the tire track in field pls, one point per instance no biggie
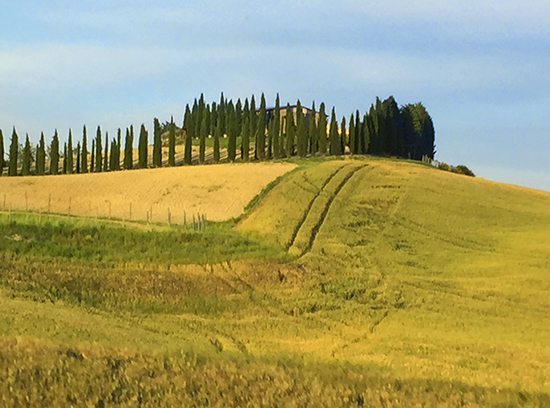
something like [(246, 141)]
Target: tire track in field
[(307, 210), (322, 217)]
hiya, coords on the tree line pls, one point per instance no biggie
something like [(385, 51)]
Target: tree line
[(240, 130)]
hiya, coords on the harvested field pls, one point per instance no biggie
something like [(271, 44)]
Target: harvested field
[(219, 191)]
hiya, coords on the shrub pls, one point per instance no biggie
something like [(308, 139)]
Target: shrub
[(444, 166), (461, 169)]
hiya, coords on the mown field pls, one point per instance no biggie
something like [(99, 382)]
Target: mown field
[(351, 282)]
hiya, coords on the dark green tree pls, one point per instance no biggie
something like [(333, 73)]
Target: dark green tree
[(70, 164), (92, 158), (322, 130), (202, 139), (334, 137), (277, 129), (172, 143), (245, 139), (129, 149), (98, 152), (301, 131), (313, 133), (157, 144), (41, 156), (2, 165), (217, 136), (113, 157), (84, 159), (106, 154), (260, 141), (343, 135), (27, 158), (64, 165), (54, 154), (14, 151), (118, 144), (188, 129), (78, 169), (352, 135), (290, 132), (142, 148)]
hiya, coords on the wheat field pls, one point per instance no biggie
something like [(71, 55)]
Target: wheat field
[(219, 192)]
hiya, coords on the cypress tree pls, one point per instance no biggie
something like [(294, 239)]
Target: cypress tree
[(343, 136), (27, 158), (213, 119), (142, 148), (14, 151), (118, 144), (70, 153), (322, 130), (54, 154), (231, 133), (277, 129), (202, 142), (270, 131), (106, 154), (301, 131), (98, 152), (334, 137), (92, 159), (172, 143), (351, 136), (358, 134), (187, 126), (217, 135), (157, 144), (41, 156), (78, 158), (64, 165), (113, 157), (1, 153), (313, 133), (128, 150), (245, 139), (260, 143), (84, 159), (289, 141)]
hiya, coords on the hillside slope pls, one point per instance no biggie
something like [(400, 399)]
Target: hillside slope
[(444, 273)]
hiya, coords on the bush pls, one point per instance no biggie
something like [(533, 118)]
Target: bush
[(444, 166), (461, 169)]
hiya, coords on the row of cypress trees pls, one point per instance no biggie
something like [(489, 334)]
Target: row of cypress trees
[(251, 133)]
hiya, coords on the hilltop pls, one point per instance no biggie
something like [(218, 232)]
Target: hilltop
[(350, 281)]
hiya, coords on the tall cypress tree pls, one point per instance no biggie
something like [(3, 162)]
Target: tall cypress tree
[(334, 137), (142, 147), (106, 154), (78, 169), (188, 128), (84, 159), (27, 158), (260, 143), (117, 155), (14, 151), (313, 132), (289, 140), (202, 139), (343, 136), (157, 144), (217, 136), (128, 150), (245, 139), (172, 143), (92, 158), (70, 153), (277, 129), (64, 165), (54, 154), (351, 136), (113, 157), (322, 129), (98, 151), (301, 131), (41, 156), (1, 153)]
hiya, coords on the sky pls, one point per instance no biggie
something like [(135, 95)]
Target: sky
[(481, 68)]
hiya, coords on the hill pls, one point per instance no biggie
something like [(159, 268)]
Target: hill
[(352, 282)]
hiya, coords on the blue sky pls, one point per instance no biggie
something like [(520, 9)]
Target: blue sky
[(480, 67)]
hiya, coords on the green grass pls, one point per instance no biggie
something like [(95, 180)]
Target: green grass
[(419, 288)]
